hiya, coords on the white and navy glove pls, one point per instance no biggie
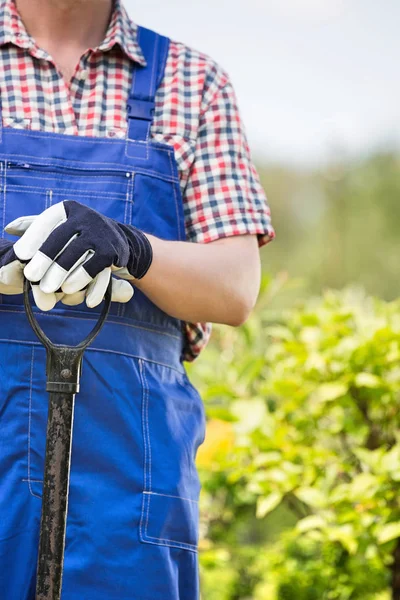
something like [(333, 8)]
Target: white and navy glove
[(11, 269), (72, 247), (12, 283)]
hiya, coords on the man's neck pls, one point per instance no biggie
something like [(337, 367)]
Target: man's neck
[(80, 24)]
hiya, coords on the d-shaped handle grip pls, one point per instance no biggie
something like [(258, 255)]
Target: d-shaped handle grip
[(43, 337)]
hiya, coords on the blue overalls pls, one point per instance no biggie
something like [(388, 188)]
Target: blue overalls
[(132, 528)]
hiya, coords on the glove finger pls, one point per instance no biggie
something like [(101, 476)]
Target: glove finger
[(71, 256), (122, 273), (74, 299), (56, 275), (10, 290), (81, 277), (97, 288), (20, 225), (12, 275), (122, 291), (33, 238), (43, 301), (76, 281), (53, 251), (59, 296)]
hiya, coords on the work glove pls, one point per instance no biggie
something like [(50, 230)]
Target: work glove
[(11, 269), (12, 282), (71, 246)]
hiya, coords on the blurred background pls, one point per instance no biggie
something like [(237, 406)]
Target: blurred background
[(301, 464)]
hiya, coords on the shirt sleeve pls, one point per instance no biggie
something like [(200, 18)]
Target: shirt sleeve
[(223, 195)]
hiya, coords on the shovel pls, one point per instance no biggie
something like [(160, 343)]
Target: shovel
[(63, 369)]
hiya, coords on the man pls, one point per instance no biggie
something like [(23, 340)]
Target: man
[(119, 149)]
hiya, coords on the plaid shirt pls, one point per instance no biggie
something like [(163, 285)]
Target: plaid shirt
[(196, 112)]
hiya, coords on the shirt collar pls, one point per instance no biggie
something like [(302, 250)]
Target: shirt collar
[(121, 31)]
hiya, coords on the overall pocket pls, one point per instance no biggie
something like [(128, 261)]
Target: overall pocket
[(23, 418), (29, 188), (37, 420), (173, 421)]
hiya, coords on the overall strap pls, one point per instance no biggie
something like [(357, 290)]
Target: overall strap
[(145, 81)]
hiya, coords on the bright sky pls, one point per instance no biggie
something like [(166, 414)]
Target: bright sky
[(312, 77)]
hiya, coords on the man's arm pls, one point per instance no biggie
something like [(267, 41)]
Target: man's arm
[(218, 281)]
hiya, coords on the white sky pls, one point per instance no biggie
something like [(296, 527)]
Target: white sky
[(313, 77)]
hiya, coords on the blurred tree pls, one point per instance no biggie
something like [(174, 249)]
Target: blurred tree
[(338, 224)]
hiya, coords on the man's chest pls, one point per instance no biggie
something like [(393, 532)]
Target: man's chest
[(90, 99)]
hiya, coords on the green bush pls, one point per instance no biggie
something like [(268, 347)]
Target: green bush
[(301, 472)]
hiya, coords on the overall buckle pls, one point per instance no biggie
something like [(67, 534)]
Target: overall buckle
[(141, 109)]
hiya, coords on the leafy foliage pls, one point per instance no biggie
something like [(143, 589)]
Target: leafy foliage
[(301, 468)]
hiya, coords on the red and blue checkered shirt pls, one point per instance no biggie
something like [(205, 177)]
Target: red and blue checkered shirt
[(196, 113)]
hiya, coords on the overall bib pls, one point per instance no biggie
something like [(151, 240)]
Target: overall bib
[(132, 528)]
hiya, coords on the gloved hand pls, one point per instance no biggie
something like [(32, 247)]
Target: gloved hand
[(69, 246), (11, 269), (12, 282)]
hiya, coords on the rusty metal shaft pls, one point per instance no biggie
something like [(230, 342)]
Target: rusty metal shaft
[(55, 496), (63, 373)]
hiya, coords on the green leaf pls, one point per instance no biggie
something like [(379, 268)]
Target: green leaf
[(267, 504), (311, 522), (250, 414), (388, 532), (367, 380), (279, 332), (311, 496), (329, 391), (391, 460), (267, 458), (345, 536), (363, 485)]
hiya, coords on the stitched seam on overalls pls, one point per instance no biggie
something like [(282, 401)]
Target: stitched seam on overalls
[(2, 189), (151, 144), (129, 142), (4, 197), (29, 426), (138, 170), (171, 496), (100, 141), (65, 192), (177, 337), (128, 220), (166, 541), (147, 493), (137, 356), (53, 180), (34, 172), (146, 428), (131, 192)]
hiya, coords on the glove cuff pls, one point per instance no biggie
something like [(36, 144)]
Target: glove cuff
[(141, 251)]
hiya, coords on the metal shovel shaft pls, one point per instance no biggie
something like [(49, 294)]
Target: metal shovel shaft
[(63, 369), (55, 496)]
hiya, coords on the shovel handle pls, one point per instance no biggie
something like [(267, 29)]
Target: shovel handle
[(43, 337)]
